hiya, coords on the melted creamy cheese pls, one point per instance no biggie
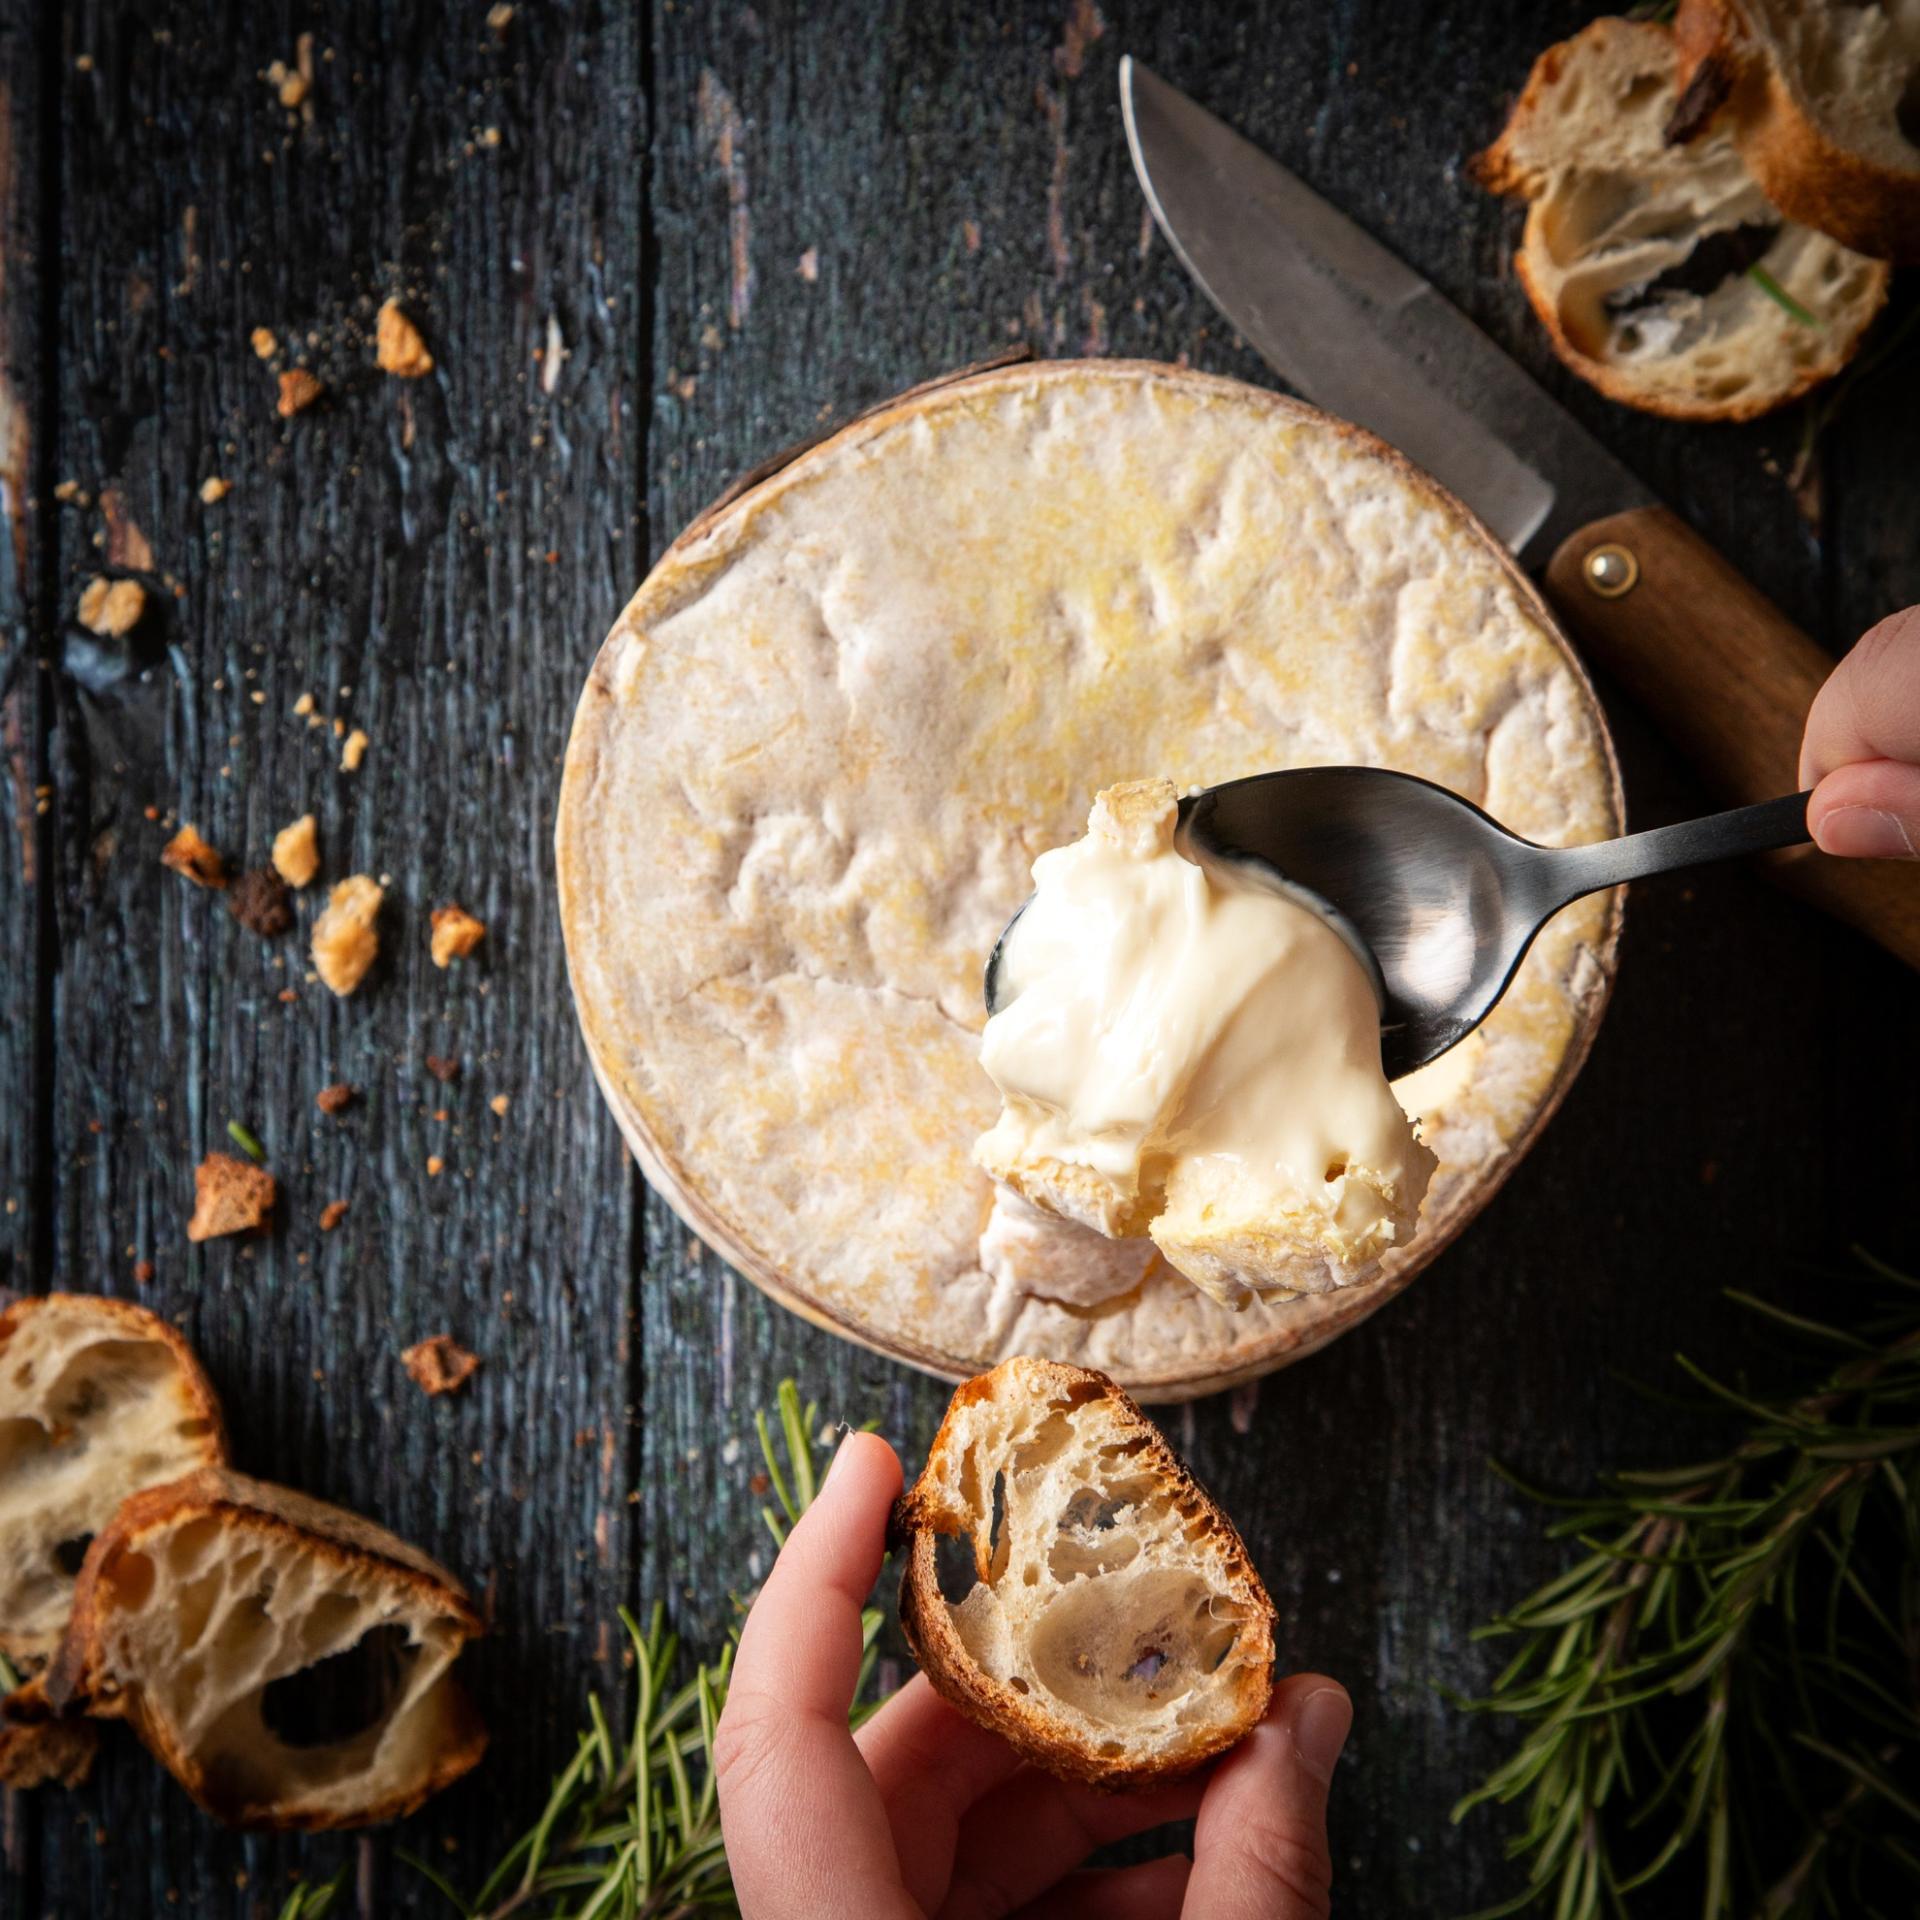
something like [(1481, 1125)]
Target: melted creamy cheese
[(1184, 1050)]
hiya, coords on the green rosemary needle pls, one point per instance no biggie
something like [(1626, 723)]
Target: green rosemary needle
[(632, 1825), (245, 1141), (1775, 292), (1723, 1686), (314, 1902)]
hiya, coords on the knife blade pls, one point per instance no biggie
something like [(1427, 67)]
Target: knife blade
[(1359, 333)]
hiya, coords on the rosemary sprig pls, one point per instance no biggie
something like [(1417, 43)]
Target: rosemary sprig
[(244, 1139), (1726, 1685), (632, 1826)]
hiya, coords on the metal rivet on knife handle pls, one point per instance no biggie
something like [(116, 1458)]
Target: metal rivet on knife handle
[(1611, 571)]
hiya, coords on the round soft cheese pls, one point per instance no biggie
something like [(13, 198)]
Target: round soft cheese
[(817, 755)]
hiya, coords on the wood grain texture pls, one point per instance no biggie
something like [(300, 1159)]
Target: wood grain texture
[(743, 222)]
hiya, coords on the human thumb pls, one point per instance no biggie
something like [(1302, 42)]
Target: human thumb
[(1869, 810), (1260, 1848)]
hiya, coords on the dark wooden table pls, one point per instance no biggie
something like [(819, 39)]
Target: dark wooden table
[(645, 252)]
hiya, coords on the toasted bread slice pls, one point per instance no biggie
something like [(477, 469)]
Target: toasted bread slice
[(98, 1398), (1824, 102), (1661, 271), (287, 1662), (1112, 1627)]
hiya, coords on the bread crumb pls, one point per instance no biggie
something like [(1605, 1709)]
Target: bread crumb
[(499, 16), (260, 900), (398, 346), (353, 752), (489, 136), (444, 1070), (455, 934), (213, 489), (344, 941), (332, 1214), (112, 608), (304, 705), (190, 857), (334, 1099), (39, 1752), (298, 391), (499, 1103), (264, 344), (70, 493), (435, 1166), (440, 1365), (142, 1272), (296, 851), (810, 265), (293, 89), (229, 1196)]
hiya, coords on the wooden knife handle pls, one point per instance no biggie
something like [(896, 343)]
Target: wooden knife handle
[(1729, 679)]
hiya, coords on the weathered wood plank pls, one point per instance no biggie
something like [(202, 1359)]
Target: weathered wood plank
[(28, 251), (431, 561)]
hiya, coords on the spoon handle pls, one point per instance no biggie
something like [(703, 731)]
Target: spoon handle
[(1565, 873)]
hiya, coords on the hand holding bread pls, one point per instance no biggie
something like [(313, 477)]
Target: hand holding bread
[(927, 1808)]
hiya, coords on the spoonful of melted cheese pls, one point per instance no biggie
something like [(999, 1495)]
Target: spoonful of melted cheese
[(1186, 1052)]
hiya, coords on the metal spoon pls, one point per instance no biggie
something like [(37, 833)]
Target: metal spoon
[(1441, 901)]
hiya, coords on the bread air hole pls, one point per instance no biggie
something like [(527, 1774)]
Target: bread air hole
[(68, 1555), (1120, 1649), (1714, 261), (130, 1577), (340, 1696), (21, 1443), (953, 1567)]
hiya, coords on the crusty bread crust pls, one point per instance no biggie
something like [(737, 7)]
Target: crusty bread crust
[(1868, 203), (81, 1676), (38, 1747), (71, 1321), (1545, 144), (930, 1510)]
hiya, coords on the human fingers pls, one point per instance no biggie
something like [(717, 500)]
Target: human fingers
[(1149, 1892), (1032, 1830), (930, 1763), (1260, 1847), (1869, 708), (806, 1834), (1868, 810)]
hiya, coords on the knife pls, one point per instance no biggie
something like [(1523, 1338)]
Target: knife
[(1358, 333)]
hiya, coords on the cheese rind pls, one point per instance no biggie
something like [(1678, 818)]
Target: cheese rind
[(819, 752)]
